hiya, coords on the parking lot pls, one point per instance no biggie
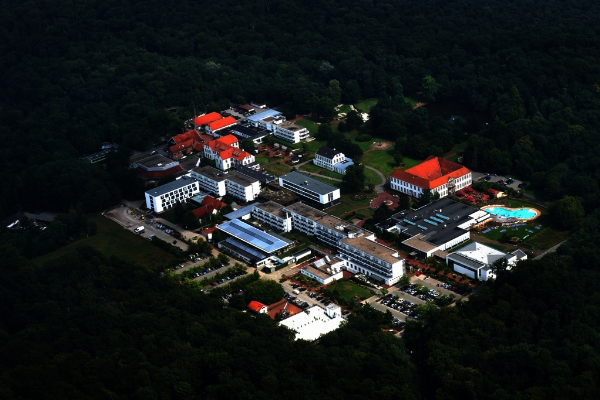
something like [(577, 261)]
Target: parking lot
[(480, 177), (124, 217)]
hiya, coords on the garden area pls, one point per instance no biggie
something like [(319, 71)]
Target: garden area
[(383, 160), (345, 292), (277, 169)]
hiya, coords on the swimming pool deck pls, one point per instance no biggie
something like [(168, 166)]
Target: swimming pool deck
[(503, 219)]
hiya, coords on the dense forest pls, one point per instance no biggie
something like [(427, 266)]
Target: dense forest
[(76, 74)]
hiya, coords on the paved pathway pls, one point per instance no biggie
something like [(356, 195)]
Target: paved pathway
[(550, 250), (379, 188)]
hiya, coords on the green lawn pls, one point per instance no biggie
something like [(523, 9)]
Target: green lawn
[(520, 232), (365, 106), (262, 160), (347, 203), (348, 290), (310, 167), (549, 237), (384, 161), (114, 240), (413, 102), (326, 180), (332, 174), (277, 169), (372, 175), (308, 124), (345, 108)]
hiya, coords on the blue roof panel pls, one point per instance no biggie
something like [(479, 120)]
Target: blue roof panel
[(252, 236), (240, 213), (263, 115)]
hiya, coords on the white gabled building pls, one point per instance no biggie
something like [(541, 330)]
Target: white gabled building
[(435, 174), (226, 153), (168, 195), (325, 270), (332, 160)]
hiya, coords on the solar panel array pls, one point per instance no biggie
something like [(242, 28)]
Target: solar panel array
[(430, 222), (252, 234), (442, 216), (422, 227), (409, 222), (245, 247), (441, 221)]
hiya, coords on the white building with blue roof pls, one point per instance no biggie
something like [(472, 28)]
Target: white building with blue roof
[(332, 160), (274, 121)]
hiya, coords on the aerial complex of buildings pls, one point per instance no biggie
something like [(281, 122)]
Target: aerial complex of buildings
[(273, 206)]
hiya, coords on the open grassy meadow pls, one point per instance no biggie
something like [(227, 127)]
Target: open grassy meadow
[(113, 240)]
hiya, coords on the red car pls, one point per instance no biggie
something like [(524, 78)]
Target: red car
[(214, 283)]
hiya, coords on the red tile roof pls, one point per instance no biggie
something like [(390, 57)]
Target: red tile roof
[(256, 306), (210, 230), (207, 207), (207, 118), (222, 123), (431, 173), (228, 139), (181, 146), (247, 107)]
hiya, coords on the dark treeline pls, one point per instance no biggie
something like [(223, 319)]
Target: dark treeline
[(77, 74), (86, 326)]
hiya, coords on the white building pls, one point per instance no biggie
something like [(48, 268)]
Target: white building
[(221, 183), (168, 195), (435, 227), (325, 270), (273, 215), (314, 192), (314, 322), (357, 247), (365, 255), (475, 260), (436, 174), (332, 160), (275, 122)]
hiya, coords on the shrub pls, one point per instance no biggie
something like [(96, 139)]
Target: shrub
[(363, 137)]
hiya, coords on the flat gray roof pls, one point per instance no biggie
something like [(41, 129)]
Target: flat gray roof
[(240, 213), (440, 220), (211, 173), (169, 187), (156, 161), (373, 248), (313, 185), (240, 179), (272, 208), (262, 115)]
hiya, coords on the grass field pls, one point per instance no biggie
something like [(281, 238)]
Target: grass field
[(372, 175), (277, 169), (310, 167), (365, 106), (521, 232), (308, 124), (262, 160), (345, 108), (547, 238), (348, 290), (384, 161), (332, 174), (114, 240), (347, 203), (326, 180)]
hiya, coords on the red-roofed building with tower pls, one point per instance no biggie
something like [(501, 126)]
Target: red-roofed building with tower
[(226, 153), (435, 174)]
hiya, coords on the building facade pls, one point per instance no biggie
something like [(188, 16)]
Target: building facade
[(435, 174), (273, 215), (475, 260), (332, 160), (237, 185), (314, 192), (226, 153), (167, 196)]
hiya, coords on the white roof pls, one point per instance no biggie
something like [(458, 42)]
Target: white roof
[(480, 253), (312, 325)]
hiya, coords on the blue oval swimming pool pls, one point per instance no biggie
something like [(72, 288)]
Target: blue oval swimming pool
[(521, 213)]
